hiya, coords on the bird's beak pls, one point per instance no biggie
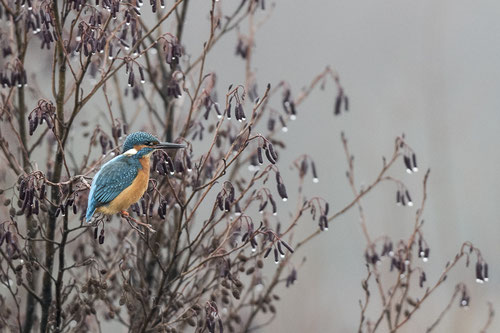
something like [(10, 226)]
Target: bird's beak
[(168, 145)]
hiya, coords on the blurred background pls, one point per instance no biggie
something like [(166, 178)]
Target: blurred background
[(429, 69)]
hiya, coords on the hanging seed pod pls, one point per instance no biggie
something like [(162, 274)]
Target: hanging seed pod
[(266, 254), (160, 212), (58, 211), (269, 156), (338, 104), (36, 208), (253, 243), (314, 173), (188, 163), (179, 166), (217, 110), (262, 206), (414, 162), (63, 210), (273, 204), (220, 202), (137, 209), (303, 167), (22, 189), (280, 250), (207, 113), (272, 151), (104, 144), (240, 113), (227, 205), (407, 162), (161, 168), (253, 162), (131, 78), (410, 202), (270, 124), (323, 222), (170, 164), (479, 272), (164, 206), (110, 52), (143, 206), (284, 128), (237, 209), (282, 191), (293, 111), (327, 208), (288, 247), (155, 162), (259, 155), (150, 211)]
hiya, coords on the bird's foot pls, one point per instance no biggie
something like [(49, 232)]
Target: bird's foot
[(129, 218)]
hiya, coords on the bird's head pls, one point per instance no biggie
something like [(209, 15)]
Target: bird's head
[(140, 144)]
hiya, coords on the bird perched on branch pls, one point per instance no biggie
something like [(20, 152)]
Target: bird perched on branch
[(122, 181)]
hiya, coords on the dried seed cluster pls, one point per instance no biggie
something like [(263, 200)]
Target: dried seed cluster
[(277, 247), (302, 164), (281, 187), (341, 102), (28, 202), (105, 142), (409, 156), (403, 196), (242, 47), (146, 207), (289, 104), (226, 198), (64, 209), (264, 200), (174, 89), (43, 112), (13, 75), (239, 112), (482, 274), (173, 51), (208, 102), (321, 208)]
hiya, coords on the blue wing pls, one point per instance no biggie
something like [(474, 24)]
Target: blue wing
[(114, 176)]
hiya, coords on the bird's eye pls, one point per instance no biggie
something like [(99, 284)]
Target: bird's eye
[(149, 143)]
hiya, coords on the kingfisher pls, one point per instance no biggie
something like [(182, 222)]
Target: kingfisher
[(122, 181)]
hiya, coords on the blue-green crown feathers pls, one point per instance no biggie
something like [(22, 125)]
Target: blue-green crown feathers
[(138, 138)]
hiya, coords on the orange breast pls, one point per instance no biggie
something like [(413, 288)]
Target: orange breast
[(131, 194)]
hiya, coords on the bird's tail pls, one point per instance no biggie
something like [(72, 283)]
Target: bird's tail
[(90, 211)]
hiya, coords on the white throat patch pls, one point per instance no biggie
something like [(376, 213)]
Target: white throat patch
[(130, 152)]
